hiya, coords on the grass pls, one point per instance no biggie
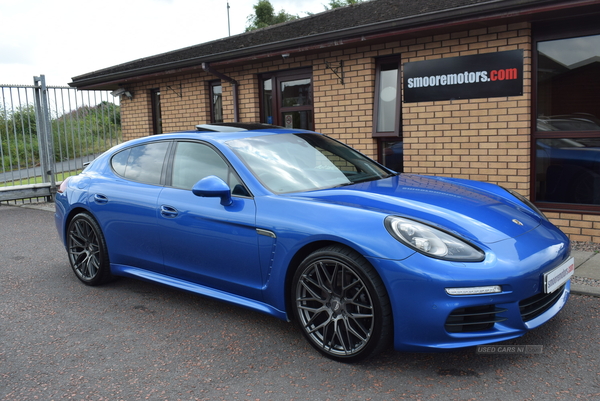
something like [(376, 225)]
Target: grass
[(37, 180)]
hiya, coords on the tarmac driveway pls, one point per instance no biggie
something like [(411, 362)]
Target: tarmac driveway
[(132, 340)]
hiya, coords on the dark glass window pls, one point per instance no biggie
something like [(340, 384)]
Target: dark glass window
[(216, 105), (156, 111), (267, 100), (391, 154), (387, 127), (141, 163), (567, 124)]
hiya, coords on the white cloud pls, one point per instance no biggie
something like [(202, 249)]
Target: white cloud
[(66, 38)]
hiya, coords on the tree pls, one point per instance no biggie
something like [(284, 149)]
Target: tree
[(264, 15), (341, 3)]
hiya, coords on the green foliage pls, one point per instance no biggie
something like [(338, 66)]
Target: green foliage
[(84, 131), (341, 3), (264, 15), (18, 138), (87, 130)]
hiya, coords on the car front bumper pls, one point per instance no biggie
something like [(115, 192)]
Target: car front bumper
[(427, 318)]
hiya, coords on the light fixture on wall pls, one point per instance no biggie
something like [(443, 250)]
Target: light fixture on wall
[(122, 91), (285, 55)]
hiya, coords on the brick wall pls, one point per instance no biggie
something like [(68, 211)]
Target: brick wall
[(185, 102), (481, 139)]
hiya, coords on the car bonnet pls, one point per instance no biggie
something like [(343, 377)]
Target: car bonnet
[(470, 212)]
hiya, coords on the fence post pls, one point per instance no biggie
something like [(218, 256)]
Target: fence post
[(44, 132)]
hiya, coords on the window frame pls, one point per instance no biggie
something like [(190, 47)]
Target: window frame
[(543, 32), (387, 136), (277, 77), (212, 85), (379, 63)]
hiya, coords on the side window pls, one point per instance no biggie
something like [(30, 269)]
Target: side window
[(387, 127), (387, 98), (142, 163), (156, 112), (567, 125), (216, 105), (194, 161)]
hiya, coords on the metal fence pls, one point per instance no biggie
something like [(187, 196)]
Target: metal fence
[(48, 133)]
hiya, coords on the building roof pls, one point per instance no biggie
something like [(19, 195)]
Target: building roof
[(331, 27)]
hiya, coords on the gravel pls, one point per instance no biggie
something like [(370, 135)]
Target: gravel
[(585, 246)]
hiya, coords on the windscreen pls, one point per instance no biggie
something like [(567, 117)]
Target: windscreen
[(286, 163)]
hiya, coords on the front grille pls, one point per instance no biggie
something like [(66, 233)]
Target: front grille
[(474, 318), (534, 306)]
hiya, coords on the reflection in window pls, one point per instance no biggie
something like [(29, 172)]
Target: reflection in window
[(194, 161), (296, 93), (388, 98), (304, 162), (142, 163), (569, 84), (267, 101), (392, 155), (387, 102), (567, 168)]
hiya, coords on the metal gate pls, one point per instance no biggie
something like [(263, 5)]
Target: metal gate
[(48, 133)]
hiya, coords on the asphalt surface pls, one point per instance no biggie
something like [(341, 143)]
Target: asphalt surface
[(131, 340)]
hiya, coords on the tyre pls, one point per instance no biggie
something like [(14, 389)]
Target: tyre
[(87, 250), (341, 304)]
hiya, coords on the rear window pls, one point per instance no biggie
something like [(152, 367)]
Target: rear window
[(142, 163)]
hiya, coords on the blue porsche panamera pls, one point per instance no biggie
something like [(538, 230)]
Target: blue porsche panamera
[(299, 226)]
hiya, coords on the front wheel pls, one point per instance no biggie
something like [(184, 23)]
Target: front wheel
[(87, 250), (341, 304)]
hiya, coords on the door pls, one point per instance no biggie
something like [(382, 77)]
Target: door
[(126, 204), (287, 99), (203, 241)]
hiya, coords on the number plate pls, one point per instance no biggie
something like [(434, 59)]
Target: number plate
[(554, 279)]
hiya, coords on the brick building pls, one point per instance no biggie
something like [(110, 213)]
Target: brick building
[(501, 91)]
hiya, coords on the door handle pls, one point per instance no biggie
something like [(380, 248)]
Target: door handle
[(100, 199), (168, 211)]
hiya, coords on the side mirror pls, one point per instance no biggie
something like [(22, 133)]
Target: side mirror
[(213, 187)]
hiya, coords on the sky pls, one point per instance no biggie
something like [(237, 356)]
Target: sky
[(62, 39)]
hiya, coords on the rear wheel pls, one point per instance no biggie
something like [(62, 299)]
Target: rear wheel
[(341, 304), (87, 250)]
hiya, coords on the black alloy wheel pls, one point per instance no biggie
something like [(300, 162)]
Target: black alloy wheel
[(341, 304), (87, 250)]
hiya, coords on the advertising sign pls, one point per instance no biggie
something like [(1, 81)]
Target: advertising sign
[(468, 77)]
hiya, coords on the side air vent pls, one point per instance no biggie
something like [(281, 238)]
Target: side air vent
[(474, 318), (534, 306)]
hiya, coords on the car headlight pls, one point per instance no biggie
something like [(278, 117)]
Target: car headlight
[(526, 201), (432, 241)]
